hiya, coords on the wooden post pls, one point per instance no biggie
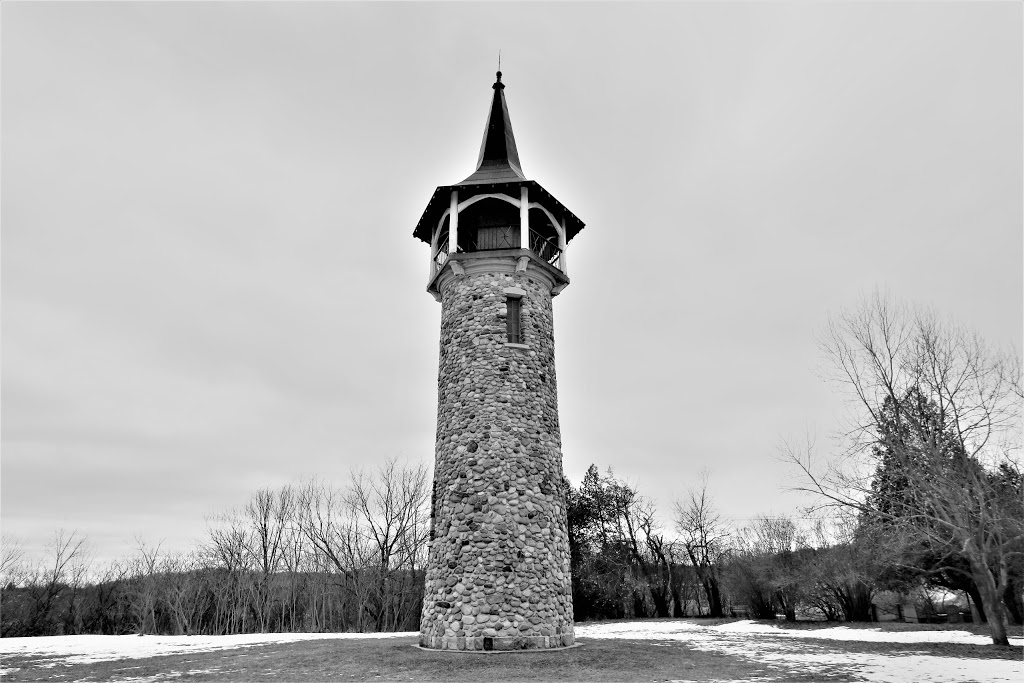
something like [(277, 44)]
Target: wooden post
[(562, 245), (524, 217), (453, 223)]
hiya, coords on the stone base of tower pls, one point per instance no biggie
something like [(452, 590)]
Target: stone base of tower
[(497, 643)]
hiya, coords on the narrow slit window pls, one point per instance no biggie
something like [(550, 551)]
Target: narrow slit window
[(512, 320)]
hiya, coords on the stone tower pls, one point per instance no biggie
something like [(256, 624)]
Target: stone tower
[(498, 570)]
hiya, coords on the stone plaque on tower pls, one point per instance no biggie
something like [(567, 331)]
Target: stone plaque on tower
[(498, 571)]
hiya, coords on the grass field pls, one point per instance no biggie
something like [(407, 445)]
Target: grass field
[(662, 650)]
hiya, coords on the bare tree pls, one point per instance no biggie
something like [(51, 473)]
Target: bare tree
[(227, 552), (269, 515), (110, 599), (767, 563), (372, 537), (622, 561), (842, 571), (12, 557), (326, 520), (389, 508), (940, 406), (77, 578), (648, 551), (184, 593), (49, 584), (706, 539), (293, 558), (144, 585)]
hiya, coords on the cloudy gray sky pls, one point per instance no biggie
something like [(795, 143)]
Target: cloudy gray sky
[(209, 282)]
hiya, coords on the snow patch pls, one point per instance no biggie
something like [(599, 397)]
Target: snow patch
[(652, 629), (793, 650), (93, 648)]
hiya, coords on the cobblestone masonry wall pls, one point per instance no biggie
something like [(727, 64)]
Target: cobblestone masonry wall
[(498, 575)]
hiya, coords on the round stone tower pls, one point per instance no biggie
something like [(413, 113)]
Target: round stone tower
[(498, 571)]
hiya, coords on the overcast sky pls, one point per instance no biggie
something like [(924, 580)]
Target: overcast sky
[(210, 284)]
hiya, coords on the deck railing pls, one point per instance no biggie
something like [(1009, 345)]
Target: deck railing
[(441, 255), (544, 247), (505, 238)]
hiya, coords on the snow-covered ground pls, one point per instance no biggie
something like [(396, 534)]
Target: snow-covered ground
[(864, 635), (794, 651), (85, 649), (783, 652)]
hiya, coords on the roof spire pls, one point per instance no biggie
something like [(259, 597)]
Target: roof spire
[(499, 158)]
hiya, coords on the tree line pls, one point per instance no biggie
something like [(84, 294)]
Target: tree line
[(299, 558), (926, 494)]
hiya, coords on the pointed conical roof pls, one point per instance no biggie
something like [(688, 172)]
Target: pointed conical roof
[(499, 158)]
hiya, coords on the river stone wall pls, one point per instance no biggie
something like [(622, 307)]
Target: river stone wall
[(498, 575)]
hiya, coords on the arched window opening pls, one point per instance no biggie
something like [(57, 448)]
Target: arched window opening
[(489, 224), (543, 236)]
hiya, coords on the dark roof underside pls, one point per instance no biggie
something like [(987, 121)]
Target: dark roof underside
[(441, 198)]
